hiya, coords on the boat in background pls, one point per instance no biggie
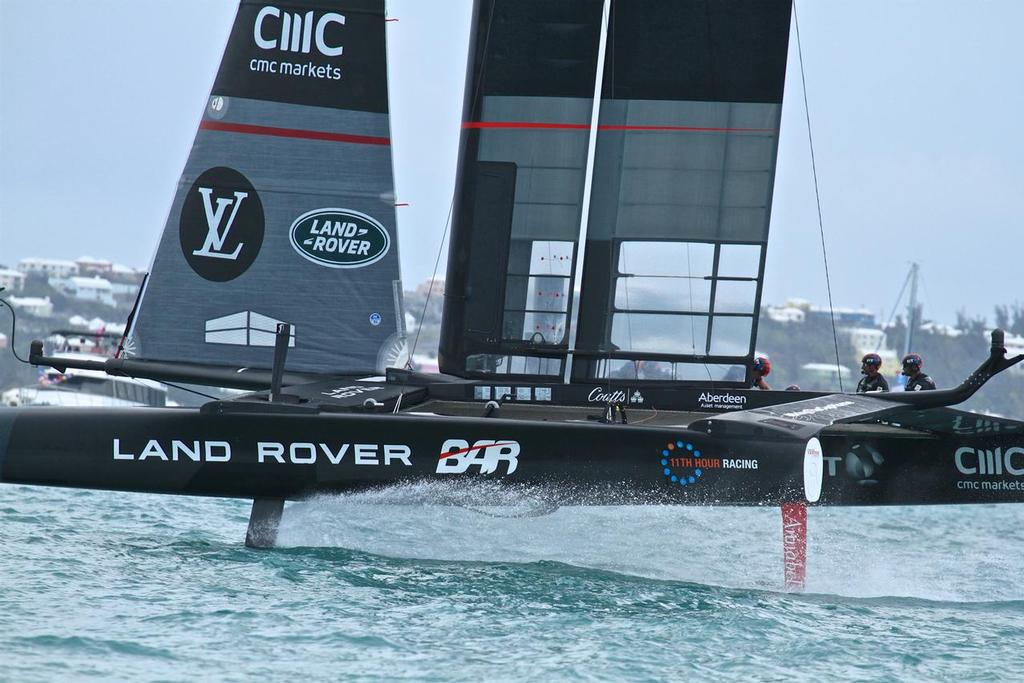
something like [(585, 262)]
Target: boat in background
[(79, 388), (622, 150)]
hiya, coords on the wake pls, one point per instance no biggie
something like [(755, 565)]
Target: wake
[(950, 554)]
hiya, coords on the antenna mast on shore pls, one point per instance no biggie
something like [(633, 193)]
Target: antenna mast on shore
[(912, 321)]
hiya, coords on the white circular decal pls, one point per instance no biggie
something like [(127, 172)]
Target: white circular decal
[(813, 470)]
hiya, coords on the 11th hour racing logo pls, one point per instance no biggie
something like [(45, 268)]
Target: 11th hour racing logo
[(221, 225), (684, 464), (298, 33), (457, 456)]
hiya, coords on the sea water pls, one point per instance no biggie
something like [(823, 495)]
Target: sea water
[(389, 585)]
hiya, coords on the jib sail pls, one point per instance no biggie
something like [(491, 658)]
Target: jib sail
[(519, 197), (683, 176), (285, 210)]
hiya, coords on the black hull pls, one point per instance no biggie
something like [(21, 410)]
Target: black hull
[(292, 456)]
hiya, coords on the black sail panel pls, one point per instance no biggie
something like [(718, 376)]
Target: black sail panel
[(519, 194), (683, 175), (285, 209)]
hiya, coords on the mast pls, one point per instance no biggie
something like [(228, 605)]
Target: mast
[(595, 117)]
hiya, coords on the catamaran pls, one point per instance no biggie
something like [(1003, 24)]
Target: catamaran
[(607, 252)]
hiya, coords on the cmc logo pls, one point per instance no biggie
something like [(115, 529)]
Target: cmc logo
[(295, 32), (457, 456), (339, 238), (979, 461)]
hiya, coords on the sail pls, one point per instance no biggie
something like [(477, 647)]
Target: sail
[(285, 209), (519, 194), (683, 175)]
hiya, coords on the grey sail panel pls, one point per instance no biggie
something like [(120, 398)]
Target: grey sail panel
[(519, 195), (285, 209), (683, 174)]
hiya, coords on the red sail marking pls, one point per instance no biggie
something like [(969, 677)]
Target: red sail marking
[(249, 129), (526, 125), (473, 448)]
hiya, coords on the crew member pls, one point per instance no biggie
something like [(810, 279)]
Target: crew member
[(916, 380), (761, 368), (872, 380)]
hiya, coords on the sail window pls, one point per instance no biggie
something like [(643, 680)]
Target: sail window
[(536, 302)]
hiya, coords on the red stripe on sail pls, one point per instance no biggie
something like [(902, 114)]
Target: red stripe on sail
[(526, 125), (248, 129)]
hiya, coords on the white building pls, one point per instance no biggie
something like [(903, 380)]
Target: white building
[(873, 340), (86, 288), (88, 265), (12, 280), (3, 340), (32, 305), (125, 272), (786, 314), (48, 267)]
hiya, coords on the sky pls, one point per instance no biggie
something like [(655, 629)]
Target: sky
[(914, 107)]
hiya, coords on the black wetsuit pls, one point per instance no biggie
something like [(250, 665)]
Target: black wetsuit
[(869, 383), (921, 382)]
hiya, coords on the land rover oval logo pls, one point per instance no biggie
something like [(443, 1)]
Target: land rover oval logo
[(339, 238)]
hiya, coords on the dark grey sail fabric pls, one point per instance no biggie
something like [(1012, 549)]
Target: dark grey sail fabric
[(285, 209), (682, 180), (519, 197), (683, 176)]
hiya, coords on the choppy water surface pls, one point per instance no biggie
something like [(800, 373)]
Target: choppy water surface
[(385, 585)]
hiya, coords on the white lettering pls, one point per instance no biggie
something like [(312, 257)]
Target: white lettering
[(321, 28), (118, 455), (457, 456), (366, 454), (180, 447), (152, 450), (258, 28), (211, 447), (336, 458), (397, 452), (959, 455), (269, 449), (295, 453)]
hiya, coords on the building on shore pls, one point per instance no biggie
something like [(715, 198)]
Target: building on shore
[(12, 280), (41, 307), (93, 288), (48, 267)]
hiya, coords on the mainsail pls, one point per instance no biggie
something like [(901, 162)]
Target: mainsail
[(682, 181), (285, 209), (522, 171), (683, 178)]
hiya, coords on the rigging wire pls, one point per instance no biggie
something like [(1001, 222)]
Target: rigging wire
[(451, 206), (817, 196), (14, 323), (191, 391)]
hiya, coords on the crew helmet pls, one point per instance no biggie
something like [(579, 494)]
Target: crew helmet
[(762, 365), (913, 360), (871, 359)]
